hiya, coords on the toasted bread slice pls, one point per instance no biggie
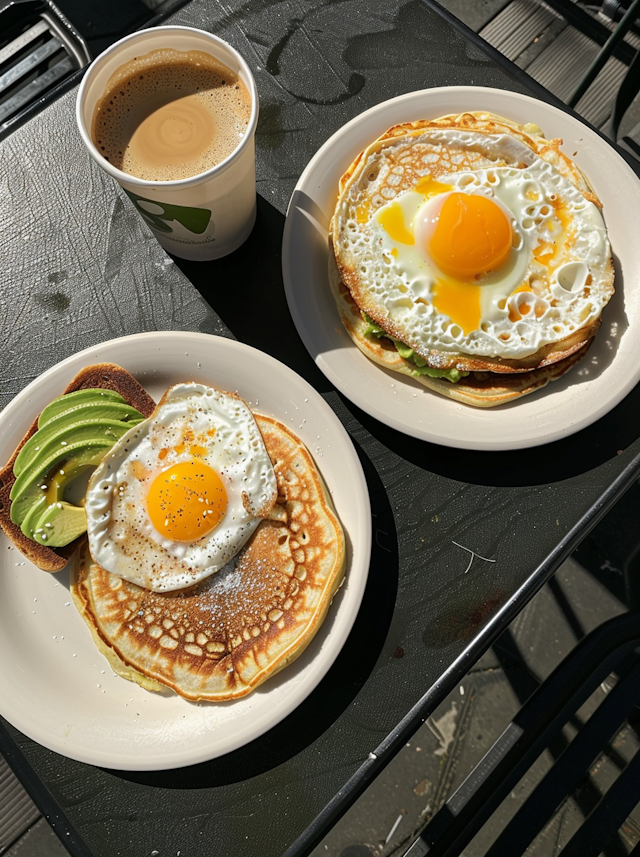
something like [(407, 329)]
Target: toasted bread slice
[(106, 376)]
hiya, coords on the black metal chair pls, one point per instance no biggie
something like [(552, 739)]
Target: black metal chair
[(613, 648), (625, 14), (611, 25)]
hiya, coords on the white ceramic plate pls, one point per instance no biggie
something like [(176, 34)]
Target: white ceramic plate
[(609, 371), (56, 687)]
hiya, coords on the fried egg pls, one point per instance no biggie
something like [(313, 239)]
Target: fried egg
[(493, 261), (180, 494)]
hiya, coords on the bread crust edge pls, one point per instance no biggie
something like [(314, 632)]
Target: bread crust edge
[(105, 376)]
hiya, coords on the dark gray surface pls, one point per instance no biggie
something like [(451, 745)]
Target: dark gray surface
[(39, 841), (78, 265), (17, 810), (79, 269), (435, 762)]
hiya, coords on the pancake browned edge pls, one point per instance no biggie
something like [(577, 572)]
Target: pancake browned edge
[(481, 389), (220, 639), (105, 376), (491, 380)]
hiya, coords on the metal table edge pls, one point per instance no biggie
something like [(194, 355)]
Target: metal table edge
[(41, 796)]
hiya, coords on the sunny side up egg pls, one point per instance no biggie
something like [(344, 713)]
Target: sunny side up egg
[(179, 495), (495, 262)]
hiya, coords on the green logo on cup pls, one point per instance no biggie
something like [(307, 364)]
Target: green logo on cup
[(159, 214)]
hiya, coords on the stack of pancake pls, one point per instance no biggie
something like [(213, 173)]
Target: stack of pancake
[(224, 635), (221, 638), (469, 253)]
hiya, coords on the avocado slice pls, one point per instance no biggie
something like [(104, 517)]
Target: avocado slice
[(60, 524), (113, 419), (419, 364), (54, 472), (70, 400), (28, 524), (57, 523), (107, 434)]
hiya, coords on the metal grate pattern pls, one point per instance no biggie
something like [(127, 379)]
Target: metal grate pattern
[(518, 26), (17, 810), (562, 66), (558, 63), (38, 49)]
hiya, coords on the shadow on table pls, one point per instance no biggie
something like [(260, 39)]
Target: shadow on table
[(245, 289), (336, 691), (611, 552), (543, 465)]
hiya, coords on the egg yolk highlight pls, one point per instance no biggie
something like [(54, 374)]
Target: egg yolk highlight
[(472, 236), (186, 501)]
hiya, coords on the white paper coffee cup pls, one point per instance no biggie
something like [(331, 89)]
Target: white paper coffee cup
[(202, 217)]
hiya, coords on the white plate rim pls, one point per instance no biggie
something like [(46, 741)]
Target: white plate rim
[(479, 429), (256, 707)]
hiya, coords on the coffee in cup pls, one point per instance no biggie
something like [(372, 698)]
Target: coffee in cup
[(169, 115)]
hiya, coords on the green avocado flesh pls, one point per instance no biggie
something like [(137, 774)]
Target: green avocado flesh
[(59, 524), (74, 434), (102, 418), (28, 524), (419, 364), (54, 474), (72, 400)]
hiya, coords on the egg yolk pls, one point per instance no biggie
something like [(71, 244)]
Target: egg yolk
[(472, 236), (186, 501)]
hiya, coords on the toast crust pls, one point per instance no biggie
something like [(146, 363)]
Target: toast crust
[(105, 376)]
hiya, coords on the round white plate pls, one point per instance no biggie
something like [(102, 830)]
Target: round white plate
[(56, 687), (608, 372)]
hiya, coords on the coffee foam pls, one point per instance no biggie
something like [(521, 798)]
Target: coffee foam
[(170, 115)]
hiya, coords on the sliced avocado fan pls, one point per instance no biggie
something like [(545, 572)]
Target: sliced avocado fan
[(75, 432)]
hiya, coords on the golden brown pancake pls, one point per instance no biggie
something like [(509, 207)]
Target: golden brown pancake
[(480, 388), (220, 639), (419, 156), (486, 123)]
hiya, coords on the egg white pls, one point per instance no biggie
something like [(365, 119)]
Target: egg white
[(527, 302), (122, 538)]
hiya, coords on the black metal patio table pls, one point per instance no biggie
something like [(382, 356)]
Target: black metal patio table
[(79, 267)]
